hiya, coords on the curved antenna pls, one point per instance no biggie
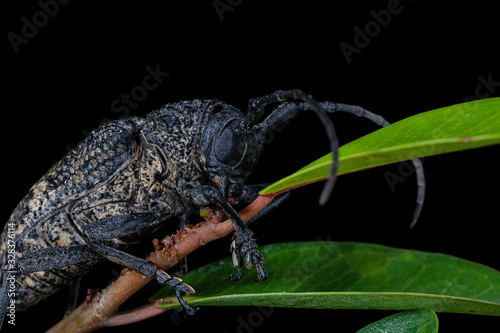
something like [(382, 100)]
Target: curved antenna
[(331, 107), (289, 110)]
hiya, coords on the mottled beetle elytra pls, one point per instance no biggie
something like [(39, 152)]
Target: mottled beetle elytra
[(130, 176)]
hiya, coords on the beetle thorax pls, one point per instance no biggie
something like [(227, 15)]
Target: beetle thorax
[(176, 130)]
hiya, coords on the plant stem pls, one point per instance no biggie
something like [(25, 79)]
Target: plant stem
[(128, 317)]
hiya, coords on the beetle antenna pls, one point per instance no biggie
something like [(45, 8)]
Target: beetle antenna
[(331, 107), (278, 116)]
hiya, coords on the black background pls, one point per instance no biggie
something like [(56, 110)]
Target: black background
[(62, 82)]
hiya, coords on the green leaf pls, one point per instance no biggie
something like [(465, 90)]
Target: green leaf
[(339, 275), (457, 127), (416, 321)]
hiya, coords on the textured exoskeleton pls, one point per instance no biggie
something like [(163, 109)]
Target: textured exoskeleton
[(127, 178)]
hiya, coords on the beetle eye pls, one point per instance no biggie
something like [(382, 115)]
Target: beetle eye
[(230, 147)]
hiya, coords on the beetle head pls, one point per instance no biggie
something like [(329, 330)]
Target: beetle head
[(230, 148), (229, 142)]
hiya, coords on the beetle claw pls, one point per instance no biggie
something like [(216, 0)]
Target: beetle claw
[(180, 289), (243, 245)]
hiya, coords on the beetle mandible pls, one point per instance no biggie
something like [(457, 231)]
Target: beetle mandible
[(128, 177)]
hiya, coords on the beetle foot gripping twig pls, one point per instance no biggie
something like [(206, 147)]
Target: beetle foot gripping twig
[(180, 289), (243, 245)]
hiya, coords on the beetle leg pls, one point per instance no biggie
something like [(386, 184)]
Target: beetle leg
[(243, 244), (95, 232), (53, 258), (117, 226), (180, 288), (251, 192), (147, 268), (240, 244), (182, 265), (271, 206)]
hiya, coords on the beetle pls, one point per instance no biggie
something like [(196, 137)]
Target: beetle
[(130, 176)]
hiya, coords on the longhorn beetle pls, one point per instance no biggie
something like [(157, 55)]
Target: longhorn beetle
[(128, 177)]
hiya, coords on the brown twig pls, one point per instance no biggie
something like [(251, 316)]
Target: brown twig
[(138, 314), (95, 311)]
